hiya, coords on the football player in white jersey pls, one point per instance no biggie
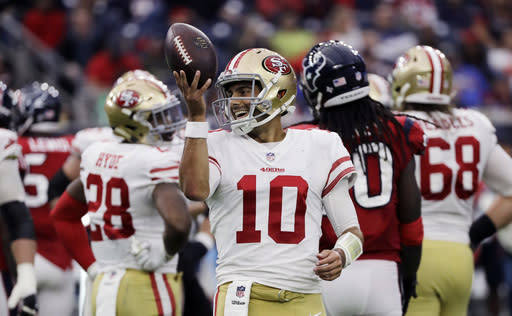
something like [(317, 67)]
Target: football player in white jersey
[(266, 188), (71, 168), (461, 151), (16, 216), (133, 199)]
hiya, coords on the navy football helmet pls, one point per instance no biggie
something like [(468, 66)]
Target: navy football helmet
[(333, 74), (38, 108), (6, 108)]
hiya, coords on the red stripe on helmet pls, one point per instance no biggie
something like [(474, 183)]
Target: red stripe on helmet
[(431, 67), (438, 53), (238, 58)]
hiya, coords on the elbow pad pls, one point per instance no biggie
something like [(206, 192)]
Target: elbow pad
[(18, 220), (58, 185)]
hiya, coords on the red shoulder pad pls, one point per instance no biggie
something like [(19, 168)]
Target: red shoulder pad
[(414, 134)]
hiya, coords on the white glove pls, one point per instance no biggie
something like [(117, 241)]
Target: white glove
[(93, 270), (25, 284), (149, 255)]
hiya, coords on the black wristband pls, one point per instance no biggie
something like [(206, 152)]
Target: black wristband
[(57, 185), (482, 228)]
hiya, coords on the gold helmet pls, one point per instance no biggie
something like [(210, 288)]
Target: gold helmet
[(140, 111), (135, 74), (380, 90), (143, 75), (422, 75), (277, 81)]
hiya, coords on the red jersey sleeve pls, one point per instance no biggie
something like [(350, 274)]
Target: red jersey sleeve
[(414, 134)]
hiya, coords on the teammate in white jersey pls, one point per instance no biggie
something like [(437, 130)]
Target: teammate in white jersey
[(71, 168), (461, 151), (266, 188), (16, 216), (133, 200)]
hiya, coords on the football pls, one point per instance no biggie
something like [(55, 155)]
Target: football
[(189, 49)]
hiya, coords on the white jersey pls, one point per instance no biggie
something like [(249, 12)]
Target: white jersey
[(266, 210), (9, 148), (11, 186), (451, 169), (91, 135), (118, 180)]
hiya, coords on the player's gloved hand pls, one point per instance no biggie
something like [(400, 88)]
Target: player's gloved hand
[(25, 287), (93, 270), (408, 291), (149, 255)]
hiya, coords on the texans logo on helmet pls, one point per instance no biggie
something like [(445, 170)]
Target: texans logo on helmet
[(312, 68)]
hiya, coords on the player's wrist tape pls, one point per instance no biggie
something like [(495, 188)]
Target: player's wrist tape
[(196, 130), (351, 246)]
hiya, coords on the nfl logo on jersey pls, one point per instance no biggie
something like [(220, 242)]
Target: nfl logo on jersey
[(271, 156), (240, 291)]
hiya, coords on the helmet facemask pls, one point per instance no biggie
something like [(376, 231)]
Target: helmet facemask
[(161, 121), (140, 111)]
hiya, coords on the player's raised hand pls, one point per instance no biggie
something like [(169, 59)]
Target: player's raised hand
[(193, 95), (329, 265)]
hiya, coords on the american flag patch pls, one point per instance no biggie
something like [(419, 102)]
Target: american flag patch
[(339, 82), (422, 82), (240, 291)]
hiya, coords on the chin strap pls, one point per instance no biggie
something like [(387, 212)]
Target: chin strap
[(248, 126), (400, 98)]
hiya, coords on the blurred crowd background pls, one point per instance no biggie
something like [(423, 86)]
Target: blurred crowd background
[(82, 46)]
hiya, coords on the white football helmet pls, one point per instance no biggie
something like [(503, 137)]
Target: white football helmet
[(380, 90)]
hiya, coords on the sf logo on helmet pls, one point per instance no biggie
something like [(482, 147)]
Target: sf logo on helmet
[(277, 64), (313, 65), (128, 98)]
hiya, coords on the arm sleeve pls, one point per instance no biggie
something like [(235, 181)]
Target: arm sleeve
[(215, 174), (498, 172), (58, 184), (340, 208), (341, 168), (66, 218)]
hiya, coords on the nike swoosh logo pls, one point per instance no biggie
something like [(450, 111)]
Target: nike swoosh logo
[(317, 314)]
